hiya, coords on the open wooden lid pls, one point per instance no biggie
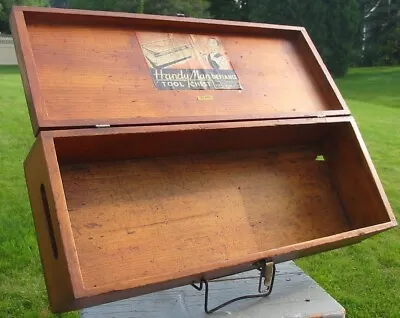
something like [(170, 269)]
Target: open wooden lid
[(85, 69)]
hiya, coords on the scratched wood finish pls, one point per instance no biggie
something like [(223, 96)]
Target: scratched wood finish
[(152, 217), (134, 219), (278, 76), (183, 187), (74, 87)]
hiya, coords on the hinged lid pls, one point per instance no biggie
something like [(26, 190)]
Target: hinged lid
[(82, 68)]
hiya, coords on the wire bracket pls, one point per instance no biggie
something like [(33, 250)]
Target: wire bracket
[(267, 274)]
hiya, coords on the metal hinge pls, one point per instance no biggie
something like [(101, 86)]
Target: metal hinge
[(102, 126), (269, 274)]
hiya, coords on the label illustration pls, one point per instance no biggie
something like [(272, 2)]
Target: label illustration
[(187, 62)]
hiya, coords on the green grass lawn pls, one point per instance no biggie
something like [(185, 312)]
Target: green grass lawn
[(364, 278)]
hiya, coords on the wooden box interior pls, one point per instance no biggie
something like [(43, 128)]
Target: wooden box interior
[(142, 205)]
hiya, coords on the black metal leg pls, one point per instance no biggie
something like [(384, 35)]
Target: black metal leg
[(267, 271)]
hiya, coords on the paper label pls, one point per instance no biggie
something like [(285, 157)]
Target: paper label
[(187, 62)]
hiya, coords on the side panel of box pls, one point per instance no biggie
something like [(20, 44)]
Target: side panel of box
[(42, 199), (355, 178)]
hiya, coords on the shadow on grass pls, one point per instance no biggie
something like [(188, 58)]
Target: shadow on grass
[(9, 69)]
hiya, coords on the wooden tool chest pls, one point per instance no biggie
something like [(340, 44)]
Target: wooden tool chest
[(170, 150)]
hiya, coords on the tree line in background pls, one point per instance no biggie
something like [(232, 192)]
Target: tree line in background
[(346, 32)]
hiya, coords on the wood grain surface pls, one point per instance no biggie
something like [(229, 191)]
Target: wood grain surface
[(136, 219), (46, 208), (83, 74), (140, 209), (185, 184)]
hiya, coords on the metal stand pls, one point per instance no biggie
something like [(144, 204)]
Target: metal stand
[(267, 271)]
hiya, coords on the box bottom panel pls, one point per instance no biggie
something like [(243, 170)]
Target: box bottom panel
[(140, 218)]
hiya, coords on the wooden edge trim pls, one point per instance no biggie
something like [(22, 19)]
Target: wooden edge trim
[(278, 255), (373, 172), (116, 295), (224, 270), (151, 17), (323, 67), (61, 208), (191, 126), (27, 67), (130, 122)]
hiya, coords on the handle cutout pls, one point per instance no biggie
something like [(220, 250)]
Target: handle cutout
[(50, 229)]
